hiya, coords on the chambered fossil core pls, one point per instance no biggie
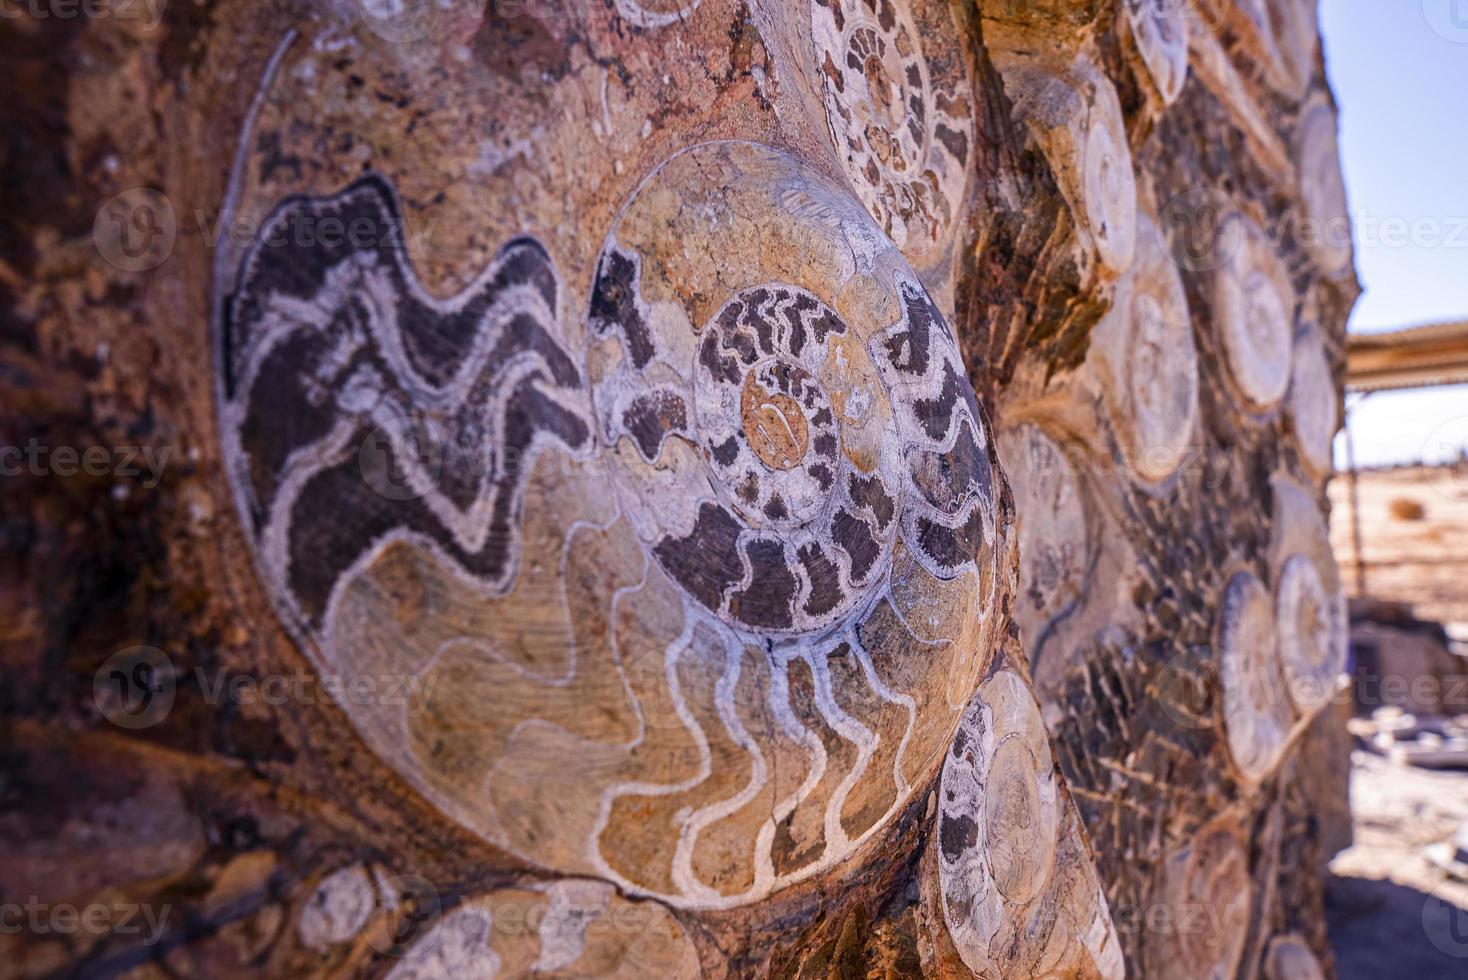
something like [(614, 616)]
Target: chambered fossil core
[(690, 584)]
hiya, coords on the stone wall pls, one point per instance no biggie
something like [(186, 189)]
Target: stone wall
[(651, 488)]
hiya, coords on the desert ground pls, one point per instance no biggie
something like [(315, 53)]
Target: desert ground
[(1391, 912)]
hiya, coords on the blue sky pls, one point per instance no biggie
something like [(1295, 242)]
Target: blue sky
[(1399, 69)]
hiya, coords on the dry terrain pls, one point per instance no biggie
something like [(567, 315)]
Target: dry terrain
[(1391, 913)]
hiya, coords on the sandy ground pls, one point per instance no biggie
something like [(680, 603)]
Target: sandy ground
[(1423, 562), (1391, 912)]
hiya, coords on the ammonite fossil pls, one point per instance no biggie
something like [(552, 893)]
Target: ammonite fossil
[(1327, 232), (1256, 714), (694, 609), (1314, 404), (1054, 533), (568, 928), (1254, 305), (1205, 884), (1160, 29), (1291, 958), (1149, 362), (903, 136), (1014, 878), (1310, 604)]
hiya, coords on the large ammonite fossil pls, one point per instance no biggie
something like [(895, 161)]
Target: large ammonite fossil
[(693, 609), (902, 135)]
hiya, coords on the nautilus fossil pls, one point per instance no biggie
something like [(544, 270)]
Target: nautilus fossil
[(693, 576), (1254, 307)]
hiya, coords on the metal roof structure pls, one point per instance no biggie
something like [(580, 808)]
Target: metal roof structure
[(1414, 357)]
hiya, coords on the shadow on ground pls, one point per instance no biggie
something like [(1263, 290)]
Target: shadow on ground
[(1381, 929)]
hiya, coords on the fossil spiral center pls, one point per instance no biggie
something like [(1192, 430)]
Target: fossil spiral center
[(775, 425)]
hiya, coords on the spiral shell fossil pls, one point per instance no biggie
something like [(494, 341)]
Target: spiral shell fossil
[(695, 609), (902, 134), (1010, 862)]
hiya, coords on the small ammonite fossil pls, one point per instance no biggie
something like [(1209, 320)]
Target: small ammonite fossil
[(1291, 958), (1160, 29), (690, 600), (566, 928), (1018, 895), (1256, 711), (1327, 232), (1312, 634), (1054, 533), (1149, 362), (1314, 404), (1254, 304), (903, 136), (1206, 886)]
